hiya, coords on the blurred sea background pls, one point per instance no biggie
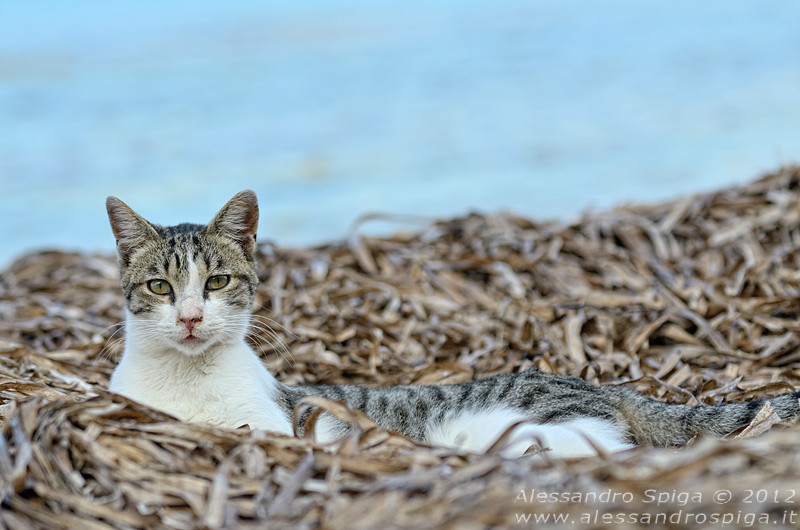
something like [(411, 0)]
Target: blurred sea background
[(330, 109)]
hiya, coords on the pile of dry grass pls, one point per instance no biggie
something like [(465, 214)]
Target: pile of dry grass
[(692, 301)]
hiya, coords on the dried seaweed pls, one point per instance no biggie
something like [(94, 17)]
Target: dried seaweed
[(691, 301)]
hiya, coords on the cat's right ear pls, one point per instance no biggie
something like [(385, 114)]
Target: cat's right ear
[(129, 228)]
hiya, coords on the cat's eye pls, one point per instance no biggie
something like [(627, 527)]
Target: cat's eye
[(217, 282), (159, 286)]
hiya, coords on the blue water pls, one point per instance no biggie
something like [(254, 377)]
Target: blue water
[(329, 110)]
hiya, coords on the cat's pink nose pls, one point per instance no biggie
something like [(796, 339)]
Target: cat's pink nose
[(190, 312), (190, 316), (190, 322)]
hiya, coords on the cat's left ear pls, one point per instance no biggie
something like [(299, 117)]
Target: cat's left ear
[(238, 219)]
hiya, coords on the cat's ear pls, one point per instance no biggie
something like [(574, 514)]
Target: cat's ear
[(238, 220), (129, 228)]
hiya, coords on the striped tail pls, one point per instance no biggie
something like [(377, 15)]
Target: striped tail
[(662, 424)]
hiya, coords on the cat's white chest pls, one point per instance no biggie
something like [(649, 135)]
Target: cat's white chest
[(230, 388)]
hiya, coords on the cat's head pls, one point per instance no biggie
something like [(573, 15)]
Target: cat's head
[(188, 287)]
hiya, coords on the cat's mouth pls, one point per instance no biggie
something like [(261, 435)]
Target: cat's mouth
[(193, 343)]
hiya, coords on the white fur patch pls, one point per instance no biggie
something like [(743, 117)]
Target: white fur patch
[(477, 430), (217, 379)]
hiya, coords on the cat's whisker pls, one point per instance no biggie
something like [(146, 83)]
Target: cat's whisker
[(266, 342), (261, 323), (273, 321), (118, 325), (265, 323), (260, 342), (266, 328), (272, 339), (271, 334), (105, 352), (271, 324)]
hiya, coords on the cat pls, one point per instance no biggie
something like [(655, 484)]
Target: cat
[(189, 292)]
